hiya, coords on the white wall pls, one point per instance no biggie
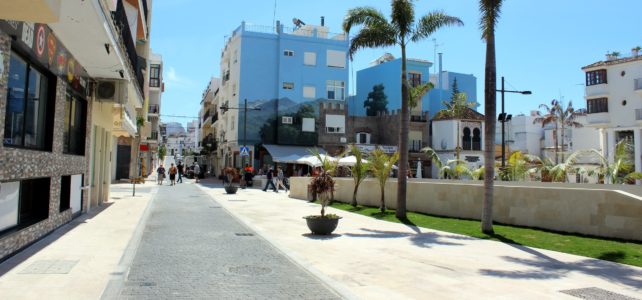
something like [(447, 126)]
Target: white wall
[(444, 134)]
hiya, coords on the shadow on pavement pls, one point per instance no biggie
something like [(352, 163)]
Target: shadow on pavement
[(420, 239), (31, 249), (313, 236)]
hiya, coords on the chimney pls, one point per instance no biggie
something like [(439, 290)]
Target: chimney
[(322, 21)]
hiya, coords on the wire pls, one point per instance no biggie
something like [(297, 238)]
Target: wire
[(175, 116)]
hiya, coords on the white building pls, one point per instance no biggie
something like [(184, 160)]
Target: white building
[(521, 134), (613, 93), (470, 136)]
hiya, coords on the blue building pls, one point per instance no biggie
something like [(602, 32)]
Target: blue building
[(387, 72), (285, 72)]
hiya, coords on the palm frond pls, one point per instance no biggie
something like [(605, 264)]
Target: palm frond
[(373, 37), (366, 16), (431, 22), (490, 11), (403, 16), (416, 93), (434, 157)]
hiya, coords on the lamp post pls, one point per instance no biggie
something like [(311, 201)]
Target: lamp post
[(225, 108), (503, 117)]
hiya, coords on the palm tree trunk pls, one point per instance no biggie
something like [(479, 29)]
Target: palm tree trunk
[(403, 140), (354, 194), (562, 136), (458, 138), (556, 144), (490, 103), (382, 205)]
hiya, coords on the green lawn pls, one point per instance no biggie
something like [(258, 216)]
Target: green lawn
[(625, 252)]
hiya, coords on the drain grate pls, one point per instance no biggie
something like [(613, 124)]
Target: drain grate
[(594, 293), (244, 234), (146, 284), (215, 207), (233, 200), (250, 270), (50, 267)]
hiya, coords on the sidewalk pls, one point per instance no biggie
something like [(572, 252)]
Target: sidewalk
[(77, 260), (373, 259)]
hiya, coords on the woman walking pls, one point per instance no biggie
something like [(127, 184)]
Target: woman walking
[(280, 180), (160, 174), (172, 174)]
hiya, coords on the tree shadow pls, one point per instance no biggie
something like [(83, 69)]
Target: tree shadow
[(545, 267), (420, 239), (313, 236)]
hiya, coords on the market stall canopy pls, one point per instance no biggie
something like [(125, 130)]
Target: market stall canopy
[(314, 161), (289, 154), (350, 161)]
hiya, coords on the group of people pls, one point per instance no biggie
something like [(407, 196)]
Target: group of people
[(276, 183), (176, 170)]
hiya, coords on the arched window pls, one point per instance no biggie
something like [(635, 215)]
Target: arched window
[(466, 145), (476, 139)]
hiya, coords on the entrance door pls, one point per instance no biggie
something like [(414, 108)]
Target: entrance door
[(123, 159)]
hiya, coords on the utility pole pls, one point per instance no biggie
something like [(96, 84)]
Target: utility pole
[(503, 117)]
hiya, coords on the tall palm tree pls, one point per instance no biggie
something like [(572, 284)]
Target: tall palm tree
[(378, 32), (490, 10), (567, 117), (550, 116)]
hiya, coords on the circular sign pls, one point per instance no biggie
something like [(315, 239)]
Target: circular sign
[(40, 40)]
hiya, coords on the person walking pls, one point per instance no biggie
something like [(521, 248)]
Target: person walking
[(280, 179), (197, 172), (180, 168), (269, 182), (172, 174), (161, 174)]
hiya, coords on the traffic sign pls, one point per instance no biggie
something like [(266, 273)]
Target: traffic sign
[(245, 151)]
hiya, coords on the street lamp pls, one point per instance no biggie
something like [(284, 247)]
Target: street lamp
[(225, 108), (503, 117)]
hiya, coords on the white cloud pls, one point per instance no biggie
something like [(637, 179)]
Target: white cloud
[(172, 78)]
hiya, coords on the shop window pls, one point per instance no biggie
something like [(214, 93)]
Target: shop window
[(29, 113), (34, 201), (75, 124)]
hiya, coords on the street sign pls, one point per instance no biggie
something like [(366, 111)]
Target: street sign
[(245, 151)]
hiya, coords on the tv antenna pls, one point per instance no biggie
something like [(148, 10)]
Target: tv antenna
[(298, 23), (434, 61)]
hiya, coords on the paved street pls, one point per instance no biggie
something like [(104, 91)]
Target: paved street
[(193, 248)]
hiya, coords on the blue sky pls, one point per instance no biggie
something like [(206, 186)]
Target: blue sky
[(541, 45)]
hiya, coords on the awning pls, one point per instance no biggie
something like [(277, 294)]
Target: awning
[(289, 154)]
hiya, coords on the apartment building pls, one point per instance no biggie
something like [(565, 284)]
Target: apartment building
[(284, 72), (613, 93), (152, 139), (64, 66), (208, 114)]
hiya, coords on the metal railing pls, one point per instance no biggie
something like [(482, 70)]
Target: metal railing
[(120, 20), (415, 146), (206, 115), (153, 109), (153, 136), (418, 119)]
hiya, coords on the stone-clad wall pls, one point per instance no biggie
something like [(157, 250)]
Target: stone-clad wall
[(17, 164)]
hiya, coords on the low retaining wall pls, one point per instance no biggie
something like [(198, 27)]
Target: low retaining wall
[(612, 211)]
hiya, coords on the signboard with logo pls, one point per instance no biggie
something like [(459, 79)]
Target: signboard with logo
[(42, 45)]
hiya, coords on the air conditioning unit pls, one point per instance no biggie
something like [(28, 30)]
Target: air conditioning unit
[(111, 91)]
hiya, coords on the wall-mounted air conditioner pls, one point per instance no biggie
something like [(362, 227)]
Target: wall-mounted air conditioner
[(111, 91)]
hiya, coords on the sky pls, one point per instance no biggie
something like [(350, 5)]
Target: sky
[(541, 45)]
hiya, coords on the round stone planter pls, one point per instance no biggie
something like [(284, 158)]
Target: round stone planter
[(322, 226), (231, 189)]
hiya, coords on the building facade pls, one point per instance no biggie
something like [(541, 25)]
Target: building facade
[(284, 72)]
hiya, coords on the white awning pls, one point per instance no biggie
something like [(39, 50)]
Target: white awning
[(289, 154)]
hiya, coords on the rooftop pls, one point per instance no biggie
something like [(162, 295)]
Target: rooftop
[(469, 114), (613, 62)]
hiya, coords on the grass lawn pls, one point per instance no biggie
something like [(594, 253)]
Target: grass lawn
[(625, 252)]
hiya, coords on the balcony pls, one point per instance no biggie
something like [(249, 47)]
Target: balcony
[(38, 11), (598, 90), (122, 25), (207, 121), (637, 85), (597, 119), (153, 109), (415, 146), (153, 137)]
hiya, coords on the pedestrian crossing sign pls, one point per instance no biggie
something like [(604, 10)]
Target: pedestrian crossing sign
[(245, 151)]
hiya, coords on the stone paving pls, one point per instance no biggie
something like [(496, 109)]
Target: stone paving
[(193, 248)]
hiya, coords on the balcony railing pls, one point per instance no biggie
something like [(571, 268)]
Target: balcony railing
[(153, 136), (153, 109), (637, 84), (418, 119), (415, 146), (120, 20), (145, 9), (206, 116)]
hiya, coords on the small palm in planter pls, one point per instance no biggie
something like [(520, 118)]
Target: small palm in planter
[(231, 176), (323, 187)]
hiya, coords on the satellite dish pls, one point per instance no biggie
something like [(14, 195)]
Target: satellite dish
[(297, 22)]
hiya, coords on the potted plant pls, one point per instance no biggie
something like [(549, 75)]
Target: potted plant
[(231, 177), (635, 51), (322, 186)]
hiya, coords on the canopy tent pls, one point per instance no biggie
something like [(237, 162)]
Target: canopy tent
[(314, 161), (289, 154), (350, 161)]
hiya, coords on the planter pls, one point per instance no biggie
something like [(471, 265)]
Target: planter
[(322, 225), (231, 189)]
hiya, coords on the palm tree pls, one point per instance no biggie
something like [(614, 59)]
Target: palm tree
[(381, 165), (621, 170), (568, 118), (452, 168), (551, 116), (359, 171), (456, 108), (490, 10), (378, 32)]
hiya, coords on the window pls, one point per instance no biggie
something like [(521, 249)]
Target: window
[(34, 201), (65, 193), (286, 120), (476, 139), (336, 90), (335, 130), (414, 79), (597, 105), (310, 58), (288, 85), (363, 138), (467, 140), (308, 125), (309, 92), (29, 114), (595, 77), (336, 59), (154, 75), (287, 52), (75, 124)]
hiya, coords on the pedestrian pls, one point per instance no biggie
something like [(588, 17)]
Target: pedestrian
[(180, 168), (280, 179), (197, 171), (172, 174), (161, 174), (269, 182)]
